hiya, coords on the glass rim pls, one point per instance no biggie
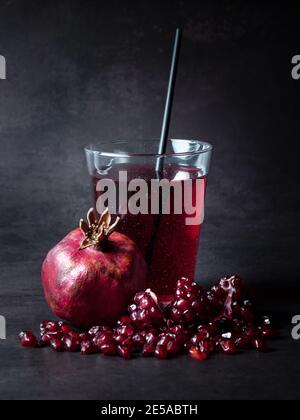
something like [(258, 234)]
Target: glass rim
[(95, 150)]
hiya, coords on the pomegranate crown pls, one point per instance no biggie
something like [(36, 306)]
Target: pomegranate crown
[(96, 231)]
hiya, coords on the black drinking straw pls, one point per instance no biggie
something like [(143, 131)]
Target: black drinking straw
[(164, 134), (169, 102)]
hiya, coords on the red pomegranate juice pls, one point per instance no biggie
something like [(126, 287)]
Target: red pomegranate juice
[(168, 243)]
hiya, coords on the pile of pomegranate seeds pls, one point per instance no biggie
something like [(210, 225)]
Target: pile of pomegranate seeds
[(199, 322)]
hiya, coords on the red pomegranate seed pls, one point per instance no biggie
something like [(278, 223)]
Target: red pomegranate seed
[(175, 314), (57, 345), (65, 329), (53, 335), (267, 331), (119, 338), (246, 314), (145, 303), (95, 330), (194, 288), (206, 346), (124, 320), (106, 329), (127, 330), (181, 283), (132, 308), (266, 320), (243, 342), (259, 345), (227, 335), (195, 340), (138, 342), (43, 325), (236, 307), (124, 352), (109, 349), (197, 306), (182, 305), (152, 330), (197, 354), (161, 352), (148, 350), (164, 339), (71, 344), (228, 347), (213, 328), (87, 347), (28, 339), (156, 315), (52, 326), (176, 329), (251, 331), (84, 337), (128, 343), (189, 316), (173, 348), (203, 334), (140, 297), (151, 339), (238, 325), (180, 293), (74, 335), (47, 337), (101, 339)]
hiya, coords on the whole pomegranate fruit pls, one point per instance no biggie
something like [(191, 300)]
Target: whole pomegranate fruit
[(91, 276)]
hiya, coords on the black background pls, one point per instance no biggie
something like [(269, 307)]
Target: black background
[(91, 71)]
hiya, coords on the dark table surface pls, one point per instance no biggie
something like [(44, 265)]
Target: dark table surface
[(44, 374), (80, 72)]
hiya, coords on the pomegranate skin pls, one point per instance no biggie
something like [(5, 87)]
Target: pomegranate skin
[(89, 286)]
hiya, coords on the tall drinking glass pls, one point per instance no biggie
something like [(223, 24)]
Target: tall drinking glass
[(161, 212)]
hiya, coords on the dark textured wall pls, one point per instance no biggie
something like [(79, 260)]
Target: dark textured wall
[(82, 71)]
